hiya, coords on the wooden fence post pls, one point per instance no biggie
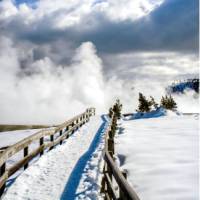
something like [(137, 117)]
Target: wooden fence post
[(72, 127), (41, 143), (67, 128), (110, 134), (103, 182), (87, 115), (51, 139), (25, 154), (77, 121), (2, 171), (111, 146), (109, 170), (61, 135), (80, 120), (106, 183), (84, 119), (121, 194)]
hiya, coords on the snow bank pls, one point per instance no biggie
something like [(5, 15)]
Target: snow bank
[(161, 156), (160, 112), (62, 168)]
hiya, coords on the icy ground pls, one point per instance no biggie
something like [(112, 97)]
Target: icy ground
[(69, 171), (160, 155)]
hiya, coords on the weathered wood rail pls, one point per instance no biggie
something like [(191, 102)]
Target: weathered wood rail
[(112, 176), (46, 139)]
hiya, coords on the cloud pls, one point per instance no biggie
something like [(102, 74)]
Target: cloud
[(160, 66), (57, 58), (45, 92), (113, 26), (122, 10), (173, 26)]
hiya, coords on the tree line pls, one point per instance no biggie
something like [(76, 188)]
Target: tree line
[(145, 105)]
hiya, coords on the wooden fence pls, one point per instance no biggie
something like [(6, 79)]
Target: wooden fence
[(46, 139), (112, 176)]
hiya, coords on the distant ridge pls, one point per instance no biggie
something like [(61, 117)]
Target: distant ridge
[(9, 127), (182, 85)]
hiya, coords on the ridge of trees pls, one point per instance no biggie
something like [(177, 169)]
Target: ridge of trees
[(147, 105)]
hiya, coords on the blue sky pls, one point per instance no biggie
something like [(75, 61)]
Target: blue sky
[(25, 1), (31, 3)]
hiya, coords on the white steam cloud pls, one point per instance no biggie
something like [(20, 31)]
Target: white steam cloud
[(48, 93)]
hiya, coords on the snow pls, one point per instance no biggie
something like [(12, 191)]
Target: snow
[(159, 151), (70, 170), (8, 138), (160, 112), (160, 155)]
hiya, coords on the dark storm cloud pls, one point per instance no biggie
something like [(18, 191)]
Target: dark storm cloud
[(172, 26)]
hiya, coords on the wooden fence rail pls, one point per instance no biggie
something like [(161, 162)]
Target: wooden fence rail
[(112, 177), (47, 139)]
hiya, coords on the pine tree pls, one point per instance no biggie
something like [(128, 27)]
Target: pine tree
[(163, 102), (144, 104), (172, 103), (153, 103), (168, 103), (117, 108), (110, 112)]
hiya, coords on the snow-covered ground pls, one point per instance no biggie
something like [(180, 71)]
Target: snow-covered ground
[(69, 171), (11, 137), (161, 156), (158, 150), (8, 138)]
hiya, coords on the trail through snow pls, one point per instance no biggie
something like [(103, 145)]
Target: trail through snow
[(72, 167)]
